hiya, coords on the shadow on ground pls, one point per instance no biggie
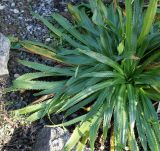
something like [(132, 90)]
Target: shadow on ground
[(23, 139)]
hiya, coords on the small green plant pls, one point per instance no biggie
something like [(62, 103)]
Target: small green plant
[(111, 65)]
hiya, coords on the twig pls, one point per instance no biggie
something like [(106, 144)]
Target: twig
[(43, 98)]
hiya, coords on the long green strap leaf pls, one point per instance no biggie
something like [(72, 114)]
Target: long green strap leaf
[(148, 20), (150, 134), (108, 108), (32, 108), (39, 44), (132, 97), (83, 94), (71, 122), (76, 135), (88, 91), (121, 126), (103, 59), (105, 74), (93, 132), (48, 69), (34, 75), (97, 105), (81, 37), (34, 85), (40, 50), (80, 105), (59, 33), (141, 130), (129, 23), (82, 143)]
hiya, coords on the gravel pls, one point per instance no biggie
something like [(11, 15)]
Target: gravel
[(16, 18)]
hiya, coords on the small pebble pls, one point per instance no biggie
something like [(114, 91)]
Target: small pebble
[(66, 10), (16, 75), (2, 7), (48, 40), (29, 27), (13, 5), (126, 148), (16, 11)]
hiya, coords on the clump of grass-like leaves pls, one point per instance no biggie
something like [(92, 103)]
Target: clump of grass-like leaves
[(112, 65)]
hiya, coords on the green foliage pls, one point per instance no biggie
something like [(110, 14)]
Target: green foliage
[(112, 66)]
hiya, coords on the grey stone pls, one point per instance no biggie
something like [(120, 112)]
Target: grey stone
[(48, 40), (13, 4), (4, 54), (16, 75), (2, 7), (52, 139), (16, 11)]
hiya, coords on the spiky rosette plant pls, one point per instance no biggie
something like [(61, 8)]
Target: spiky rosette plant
[(111, 66)]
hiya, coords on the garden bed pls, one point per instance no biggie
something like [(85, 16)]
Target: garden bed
[(17, 20)]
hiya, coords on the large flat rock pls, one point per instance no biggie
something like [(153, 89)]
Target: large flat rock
[(52, 139)]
